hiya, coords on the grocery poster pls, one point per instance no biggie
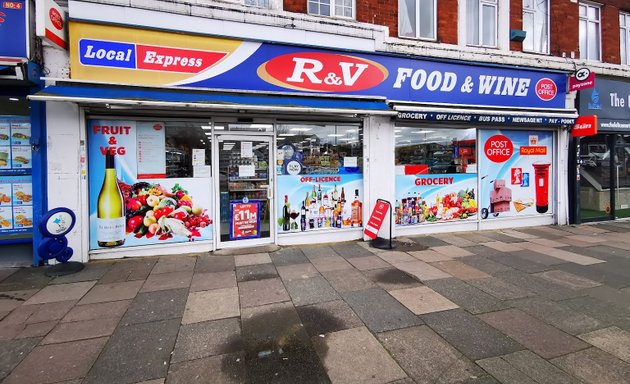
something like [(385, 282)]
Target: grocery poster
[(16, 200), (156, 211), (424, 198), (517, 169), (319, 202)]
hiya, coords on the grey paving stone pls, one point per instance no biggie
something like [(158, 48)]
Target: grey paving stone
[(10, 300), (350, 250), (460, 270), (355, 356), (546, 232), (208, 338), (391, 279), (167, 280), (256, 272), (429, 241), (616, 297), (36, 329), (261, 292), (471, 336), (421, 300), (545, 340), (212, 280), (50, 311), (169, 264), (330, 263), (595, 367), (537, 285), (504, 372), (567, 279), (288, 256), (600, 310), (129, 270), (537, 368), (379, 311), (605, 273), (466, 296), (91, 271), (499, 288), (331, 316), (12, 352), (318, 251), (599, 251), (225, 369), (6, 272), (297, 271), (65, 361), (498, 236), (114, 309), (513, 260), (81, 330), (211, 305), (485, 264), (346, 280), (25, 279), (61, 292), (367, 263), (136, 353), (112, 292), (427, 358), (558, 315), (476, 237), (612, 340), (207, 264), (252, 259), (155, 306), (311, 291)]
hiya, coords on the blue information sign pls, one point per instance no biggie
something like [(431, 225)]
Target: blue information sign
[(13, 31)]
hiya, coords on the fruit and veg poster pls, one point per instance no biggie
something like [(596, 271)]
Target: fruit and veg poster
[(244, 220), (157, 211), (509, 185), (430, 198)]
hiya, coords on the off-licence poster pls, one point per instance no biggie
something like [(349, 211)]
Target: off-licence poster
[(430, 198), (156, 211), (517, 177)]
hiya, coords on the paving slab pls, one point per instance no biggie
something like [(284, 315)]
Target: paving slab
[(513, 260), (421, 270), (460, 270), (568, 280), (91, 272), (602, 273), (64, 361), (537, 368), (429, 241), (518, 234), (167, 280), (594, 366), (81, 330), (393, 257), (504, 371), (36, 329), (502, 237), (261, 292), (466, 296), (50, 311), (538, 257), (355, 356), (427, 358), (155, 306), (61, 292), (314, 252), (617, 297), (600, 310), (390, 278), (330, 263), (331, 316), (207, 338), (500, 289), (6, 272), (225, 369), (565, 255), (452, 251), (545, 340), (421, 300), (542, 287), (380, 311), (368, 263), (288, 256), (170, 264), (599, 251), (429, 256), (251, 259), (129, 270), (114, 309), (19, 315), (486, 265), (12, 299), (135, 353), (256, 272), (502, 247), (207, 264), (297, 271), (612, 340), (310, 291), (212, 280), (547, 242), (112, 292), (457, 240), (558, 315), (476, 237), (350, 250), (12, 352), (25, 279), (211, 305), (346, 280)]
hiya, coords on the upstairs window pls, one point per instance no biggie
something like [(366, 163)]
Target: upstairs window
[(258, 3), (340, 8), (624, 38), (590, 32), (481, 22), (417, 19), (536, 24)]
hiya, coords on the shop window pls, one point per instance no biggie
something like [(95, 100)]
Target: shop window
[(339, 8), (481, 22), (417, 19), (590, 31), (320, 180), (149, 182), (624, 37), (536, 24)]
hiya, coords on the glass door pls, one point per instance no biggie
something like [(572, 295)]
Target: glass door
[(245, 198), (622, 176), (596, 178)]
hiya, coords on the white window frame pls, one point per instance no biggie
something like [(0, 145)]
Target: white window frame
[(417, 22), (584, 55), (257, 3), (624, 29), (332, 6), (479, 20), (536, 16)]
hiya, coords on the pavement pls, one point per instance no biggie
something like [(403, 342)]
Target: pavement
[(532, 305)]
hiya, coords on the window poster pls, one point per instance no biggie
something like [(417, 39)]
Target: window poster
[(151, 143), (129, 210), (245, 220), (16, 204), (319, 202), (517, 173)]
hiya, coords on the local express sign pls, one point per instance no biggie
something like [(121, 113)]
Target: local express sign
[(281, 68)]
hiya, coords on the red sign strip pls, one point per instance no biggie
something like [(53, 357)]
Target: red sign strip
[(376, 219)]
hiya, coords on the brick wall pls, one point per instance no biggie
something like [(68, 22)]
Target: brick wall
[(447, 21), (297, 6), (380, 12), (610, 34), (516, 22), (564, 28)]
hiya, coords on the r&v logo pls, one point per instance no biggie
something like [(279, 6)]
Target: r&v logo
[(322, 72)]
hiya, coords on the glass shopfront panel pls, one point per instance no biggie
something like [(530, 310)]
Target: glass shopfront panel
[(622, 175), (319, 172), (149, 182)]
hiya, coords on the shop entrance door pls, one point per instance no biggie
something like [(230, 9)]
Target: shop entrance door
[(596, 178), (244, 183), (622, 177)]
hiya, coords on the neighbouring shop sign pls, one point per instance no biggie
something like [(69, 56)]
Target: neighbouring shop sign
[(585, 126), (610, 101), (147, 57), (13, 29), (582, 79), (245, 220), (485, 118), (51, 23)]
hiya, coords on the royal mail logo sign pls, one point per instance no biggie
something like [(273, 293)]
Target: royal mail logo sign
[(115, 54)]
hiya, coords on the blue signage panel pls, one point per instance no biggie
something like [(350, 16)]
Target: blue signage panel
[(13, 30), (107, 53), (610, 101), (485, 118)]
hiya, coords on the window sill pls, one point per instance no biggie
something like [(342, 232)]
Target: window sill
[(345, 18), (423, 39)]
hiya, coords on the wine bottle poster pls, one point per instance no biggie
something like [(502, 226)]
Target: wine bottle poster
[(156, 211), (429, 198), (323, 192), (516, 169)]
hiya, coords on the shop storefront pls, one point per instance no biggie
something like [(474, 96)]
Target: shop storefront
[(216, 143), (602, 189)]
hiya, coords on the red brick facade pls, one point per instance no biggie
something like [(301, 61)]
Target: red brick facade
[(447, 21)]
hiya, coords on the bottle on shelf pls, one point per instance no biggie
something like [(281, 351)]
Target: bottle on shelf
[(343, 196), (319, 194), (303, 217), (335, 195), (285, 214), (357, 210), (110, 215)]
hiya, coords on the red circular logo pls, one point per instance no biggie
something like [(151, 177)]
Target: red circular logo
[(55, 18), (498, 148), (157, 127), (546, 89)]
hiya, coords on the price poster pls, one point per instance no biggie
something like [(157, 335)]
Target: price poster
[(245, 220), (151, 142)]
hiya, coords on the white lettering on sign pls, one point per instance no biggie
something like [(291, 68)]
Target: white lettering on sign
[(311, 67), (504, 86), (419, 78), (110, 54)]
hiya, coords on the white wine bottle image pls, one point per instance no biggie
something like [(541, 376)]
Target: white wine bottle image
[(110, 216)]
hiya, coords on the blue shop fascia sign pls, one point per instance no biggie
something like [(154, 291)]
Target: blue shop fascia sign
[(610, 101), (477, 118), (13, 29)]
